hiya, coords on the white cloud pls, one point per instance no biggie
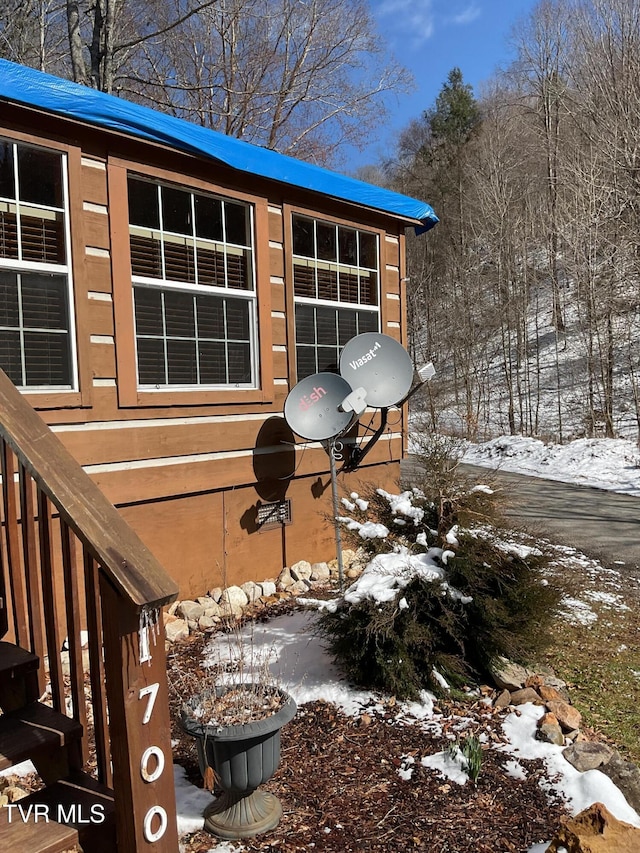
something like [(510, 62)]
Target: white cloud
[(406, 17), (467, 15)]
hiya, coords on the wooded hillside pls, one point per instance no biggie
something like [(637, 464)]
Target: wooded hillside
[(527, 294)]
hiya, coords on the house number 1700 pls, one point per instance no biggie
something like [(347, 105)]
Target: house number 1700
[(152, 752)]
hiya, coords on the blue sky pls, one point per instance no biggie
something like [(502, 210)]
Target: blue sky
[(430, 37)]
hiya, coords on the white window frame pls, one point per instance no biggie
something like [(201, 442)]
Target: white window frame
[(337, 305), (164, 284), (18, 266)]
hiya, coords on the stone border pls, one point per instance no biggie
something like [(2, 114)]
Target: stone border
[(221, 605)]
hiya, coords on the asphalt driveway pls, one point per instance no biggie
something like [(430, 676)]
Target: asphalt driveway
[(600, 523)]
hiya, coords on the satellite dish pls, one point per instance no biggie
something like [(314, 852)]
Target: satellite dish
[(312, 406), (380, 365)]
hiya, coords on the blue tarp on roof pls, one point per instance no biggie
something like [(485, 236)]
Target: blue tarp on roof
[(33, 88)]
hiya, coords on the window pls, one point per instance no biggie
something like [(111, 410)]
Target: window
[(193, 287), (36, 324), (335, 284)]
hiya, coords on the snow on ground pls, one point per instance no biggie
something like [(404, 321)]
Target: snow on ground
[(302, 666), (21, 770), (612, 464)]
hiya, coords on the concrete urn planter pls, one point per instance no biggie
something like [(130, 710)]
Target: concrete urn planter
[(243, 757)]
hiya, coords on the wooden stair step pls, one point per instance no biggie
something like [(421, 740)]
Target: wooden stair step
[(34, 728), (18, 676), (15, 661), (19, 836), (81, 803)]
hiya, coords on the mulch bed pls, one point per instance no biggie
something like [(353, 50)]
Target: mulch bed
[(340, 789)]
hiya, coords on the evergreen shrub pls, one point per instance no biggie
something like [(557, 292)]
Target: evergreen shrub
[(482, 597)]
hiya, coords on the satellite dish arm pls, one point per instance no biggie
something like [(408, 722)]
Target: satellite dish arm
[(358, 455), (426, 374)]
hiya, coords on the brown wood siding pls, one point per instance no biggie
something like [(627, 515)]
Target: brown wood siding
[(226, 548), (393, 310), (280, 365), (97, 273), (279, 330), (120, 443), (276, 260), (100, 320), (198, 499), (391, 255), (94, 181), (167, 526), (96, 228), (277, 296), (276, 227), (392, 280), (134, 484), (103, 360)]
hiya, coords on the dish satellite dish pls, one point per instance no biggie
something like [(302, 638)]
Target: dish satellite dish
[(379, 364), (312, 407)]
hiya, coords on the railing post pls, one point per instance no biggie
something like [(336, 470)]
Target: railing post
[(139, 727)]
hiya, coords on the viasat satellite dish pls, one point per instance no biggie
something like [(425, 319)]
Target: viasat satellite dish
[(379, 364), (312, 408)]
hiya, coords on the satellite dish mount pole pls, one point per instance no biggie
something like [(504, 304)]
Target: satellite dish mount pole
[(334, 494)]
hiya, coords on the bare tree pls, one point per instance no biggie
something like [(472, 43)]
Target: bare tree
[(108, 38), (32, 33), (303, 78)]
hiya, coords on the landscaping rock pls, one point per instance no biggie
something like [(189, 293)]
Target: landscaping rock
[(206, 622), (558, 684), (216, 594), (587, 755), (509, 676), (175, 628), (550, 694), (252, 590), (549, 730), (320, 572), (625, 776), (349, 556), (596, 830), (503, 700), (268, 588), (568, 716), (285, 580), (214, 611), (301, 571), (527, 694), (190, 610), (233, 600)]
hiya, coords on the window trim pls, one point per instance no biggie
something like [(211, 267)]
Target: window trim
[(81, 395), (360, 224), (129, 394)]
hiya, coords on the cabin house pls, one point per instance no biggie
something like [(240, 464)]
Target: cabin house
[(162, 288)]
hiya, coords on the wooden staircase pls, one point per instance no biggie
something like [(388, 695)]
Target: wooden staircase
[(97, 734), (73, 809)]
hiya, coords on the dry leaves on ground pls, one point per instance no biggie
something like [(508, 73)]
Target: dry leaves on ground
[(340, 788)]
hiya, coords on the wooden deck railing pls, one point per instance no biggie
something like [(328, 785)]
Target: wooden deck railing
[(72, 564)]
